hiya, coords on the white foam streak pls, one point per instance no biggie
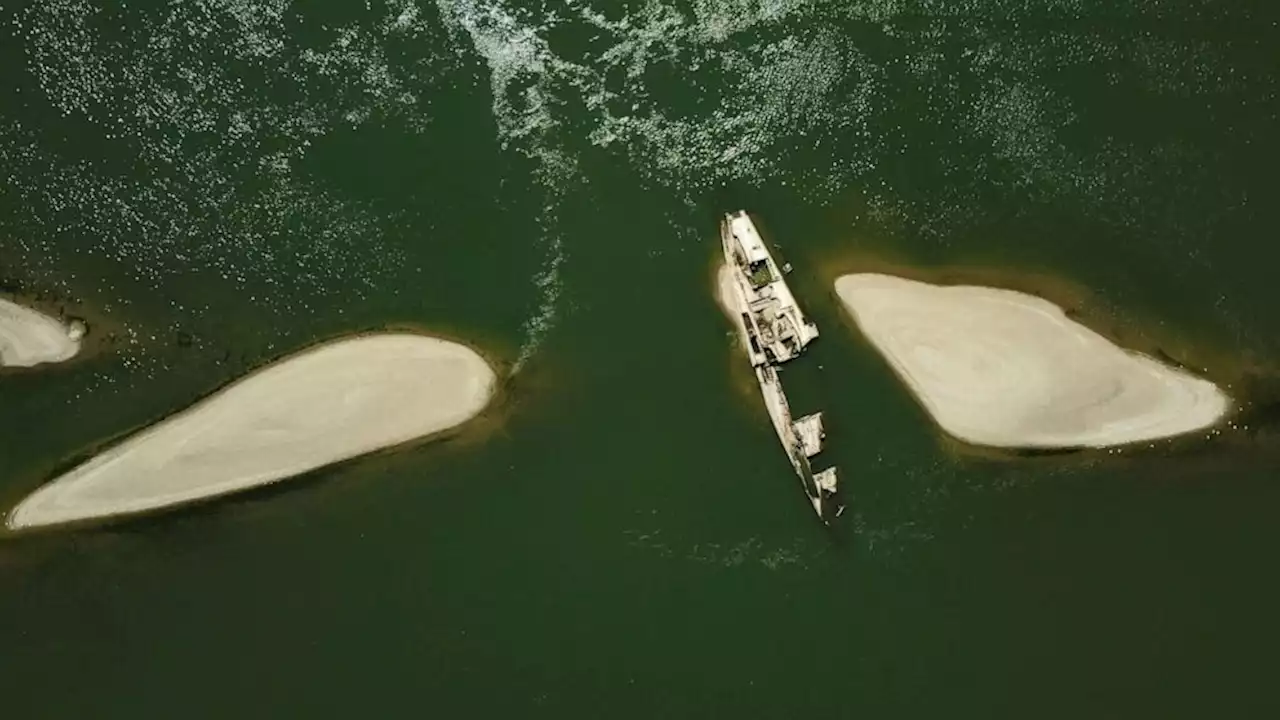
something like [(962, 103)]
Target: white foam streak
[(520, 61)]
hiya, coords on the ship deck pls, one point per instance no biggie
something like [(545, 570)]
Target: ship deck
[(810, 431)]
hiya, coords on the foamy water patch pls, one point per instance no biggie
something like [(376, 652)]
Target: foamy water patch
[(817, 95), (206, 111), (779, 84), (742, 554), (823, 95), (694, 96)]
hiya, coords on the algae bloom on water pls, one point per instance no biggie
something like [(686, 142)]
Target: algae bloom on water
[(334, 402), (1002, 368)]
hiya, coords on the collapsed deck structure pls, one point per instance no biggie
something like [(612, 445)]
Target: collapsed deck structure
[(776, 331)]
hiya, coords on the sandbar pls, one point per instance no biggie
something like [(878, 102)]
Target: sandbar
[(727, 298), (29, 337), (1002, 368), (333, 402)]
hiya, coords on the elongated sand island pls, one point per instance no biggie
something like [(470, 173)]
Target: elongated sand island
[(29, 337), (325, 405), (1002, 368)]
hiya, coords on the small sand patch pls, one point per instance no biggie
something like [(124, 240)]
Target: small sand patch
[(1006, 369), (729, 298), (325, 405), (29, 338)]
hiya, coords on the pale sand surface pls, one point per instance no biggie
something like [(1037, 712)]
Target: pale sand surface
[(334, 402), (726, 293), (729, 300), (1002, 368), (29, 338)]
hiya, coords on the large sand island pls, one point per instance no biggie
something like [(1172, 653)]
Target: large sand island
[(1002, 368), (327, 404), (29, 338)]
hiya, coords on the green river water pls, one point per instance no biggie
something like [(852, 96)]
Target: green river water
[(220, 183)]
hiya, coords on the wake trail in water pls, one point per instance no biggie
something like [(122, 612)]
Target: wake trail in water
[(518, 61)]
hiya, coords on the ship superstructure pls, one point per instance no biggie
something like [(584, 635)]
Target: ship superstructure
[(780, 330), (776, 331)]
